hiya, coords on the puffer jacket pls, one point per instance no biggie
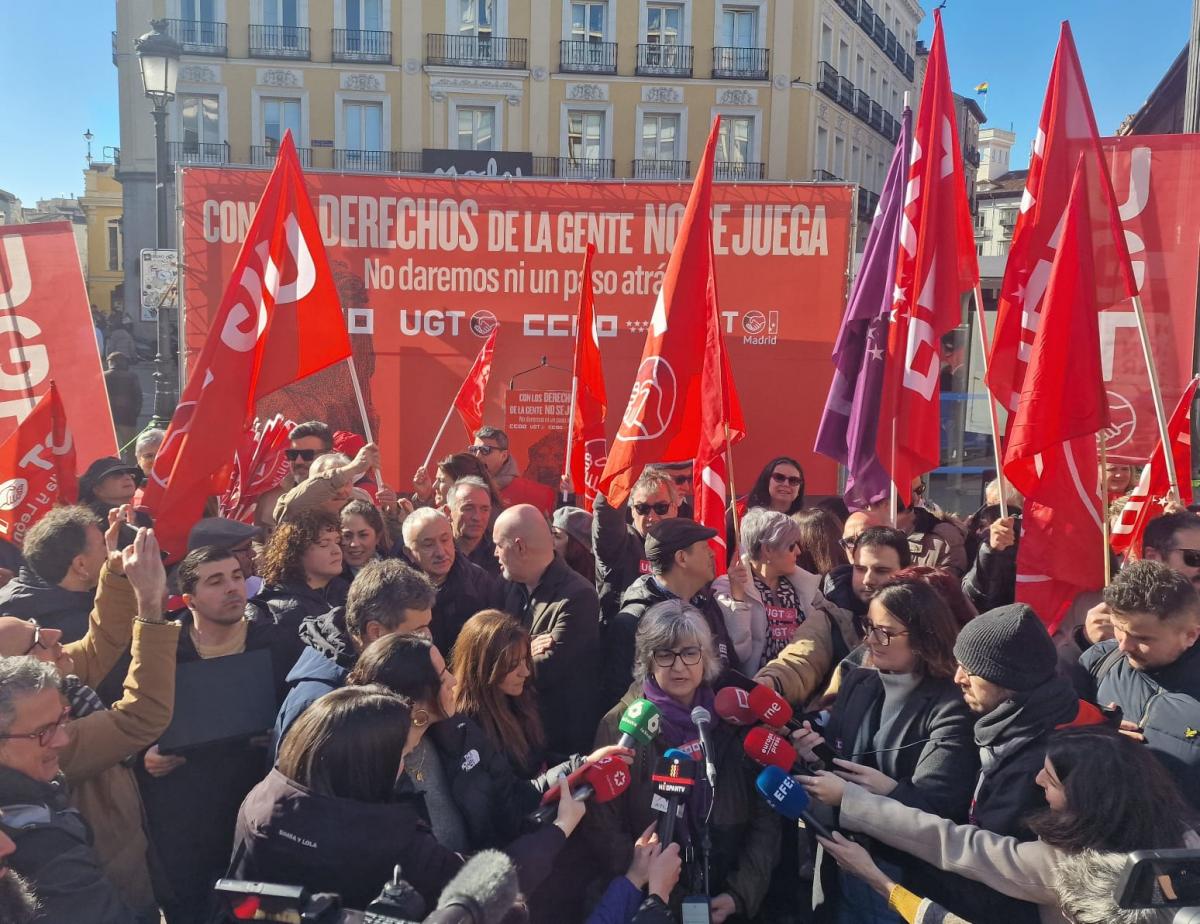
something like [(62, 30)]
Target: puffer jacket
[(329, 655), (103, 788), (288, 605), (27, 596)]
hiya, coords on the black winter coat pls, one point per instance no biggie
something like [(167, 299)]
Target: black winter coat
[(288, 605), (27, 596), (466, 590), (838, 588), (620, 552)]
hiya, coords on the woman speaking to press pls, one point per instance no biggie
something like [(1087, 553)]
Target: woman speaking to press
[(674, 666)]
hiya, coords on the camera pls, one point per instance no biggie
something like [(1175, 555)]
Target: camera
[(1162, 879)]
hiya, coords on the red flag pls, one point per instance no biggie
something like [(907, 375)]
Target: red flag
[(1051, 454), (1066, 132), (279, 321), (37, 467), (662, 421), (588, 447), (469, 400), (1148, 499), (935, 265)]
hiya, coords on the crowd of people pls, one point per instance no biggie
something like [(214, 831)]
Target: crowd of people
[(360, 679)]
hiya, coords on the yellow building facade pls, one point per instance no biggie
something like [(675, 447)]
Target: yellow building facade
[(102, 209)]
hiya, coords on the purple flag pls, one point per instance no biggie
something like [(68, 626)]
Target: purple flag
[(850, 420)]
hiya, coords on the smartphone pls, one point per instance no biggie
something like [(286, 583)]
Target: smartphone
[(695, 910)]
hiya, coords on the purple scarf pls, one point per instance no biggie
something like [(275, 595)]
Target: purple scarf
[(677, 728)]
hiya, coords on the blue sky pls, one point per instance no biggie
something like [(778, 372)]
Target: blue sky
[(59, 80)]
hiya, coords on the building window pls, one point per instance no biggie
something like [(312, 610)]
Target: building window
[(839, 156), (278, 116), (589, 20), (280, 13), (739, 27), (585, 135), (826, 43), (855, 163), (477, 18), (363, 124), (660, 136), (735, 140), (822, 158), (869, 171), (860, 72), (200, 121), (114, 246), (843, 63), (664, 23), (873, 84), (475, 128), (364, 15)]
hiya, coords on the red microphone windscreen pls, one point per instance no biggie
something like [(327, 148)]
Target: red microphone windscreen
[(574, 779), (770, 706), (609, 777), (733, 706), (768, 749)]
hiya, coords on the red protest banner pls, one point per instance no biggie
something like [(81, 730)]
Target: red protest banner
[(37, 467), (46, 332)]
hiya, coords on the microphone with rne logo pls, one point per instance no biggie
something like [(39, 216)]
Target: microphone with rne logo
[(673, 778), (601, 781), (788, 798), (770, 707), (733, 706), (639, 724)]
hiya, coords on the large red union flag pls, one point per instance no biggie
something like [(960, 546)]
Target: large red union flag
[(588, 447), (469, 400), (37, 467), (279, 321), (935, 265)]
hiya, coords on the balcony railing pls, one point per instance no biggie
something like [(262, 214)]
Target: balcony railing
[(824, 176), (658, 60), (587, 57), (867, 201), (738, 171), (575, 168), (891, 128), (972, 157), (366, 161), (263, 155), (876, 118), (862, 105), (850, 6), (198, 152), (199, 38), (908, 66), (879, 31), (866, 15), (827, 80), (279, 42), (741, 63), (408, 161), (476, 51), (662, 169), (362, 45), (845, 94), (890, 44)]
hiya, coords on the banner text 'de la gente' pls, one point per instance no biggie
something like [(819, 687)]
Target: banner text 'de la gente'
[(426, 267)]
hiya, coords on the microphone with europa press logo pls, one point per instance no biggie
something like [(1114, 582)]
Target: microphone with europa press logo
[(673, 778), (601, 781), (788, 798), (639, 724)]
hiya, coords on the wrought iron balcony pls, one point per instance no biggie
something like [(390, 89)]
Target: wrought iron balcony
[(879, 30), (824, 176), (850, 6), (827, 80), (876, 118), (575, 168), (741, 63), (662, 169), (658, 60), (862, 105), (280, 42), (738, 171), (366, 161), (199, 38), (408, 161), (908, 66), (263, 155), (476, 51), (198, 152), (867, 202), (587, 57), (891, 128), (890, 45), (845, 94), (972, 157), (362, 45), (866, 15)]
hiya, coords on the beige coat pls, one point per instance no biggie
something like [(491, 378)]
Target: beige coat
[(801, 672), (102, 788)]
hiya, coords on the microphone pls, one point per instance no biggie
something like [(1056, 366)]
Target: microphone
[(702, 719), (600, 782), (768, 749), (673, 778), (733, 706), (483, 892), (771, 708), (639, 724), (788, 798)]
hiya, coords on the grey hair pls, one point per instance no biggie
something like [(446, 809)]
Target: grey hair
[(453, 497), (418, 520), (768, 528), (20, 677), (149, 439), (651, 480), (1012, 497), (666, 625), (327, 461)]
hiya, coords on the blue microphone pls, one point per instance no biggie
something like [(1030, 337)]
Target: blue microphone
[(788, 798)]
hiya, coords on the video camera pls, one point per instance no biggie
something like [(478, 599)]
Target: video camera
[(1162, 879)]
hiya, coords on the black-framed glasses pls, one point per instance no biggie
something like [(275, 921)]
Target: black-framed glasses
[(882, 635), (665, 657), (1191, 557), (662, 508), (481, 450), (848, 542), (37, 638), (293, 454), (46, 733), (793, 481)]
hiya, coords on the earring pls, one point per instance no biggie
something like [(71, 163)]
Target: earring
[(420, 718)]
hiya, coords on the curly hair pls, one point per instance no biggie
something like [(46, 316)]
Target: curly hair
[(1151, 587), (283, 558)]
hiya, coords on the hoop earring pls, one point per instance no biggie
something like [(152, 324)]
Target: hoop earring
[(420, 718)]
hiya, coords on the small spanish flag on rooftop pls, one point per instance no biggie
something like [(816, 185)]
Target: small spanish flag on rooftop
[(982, 89)]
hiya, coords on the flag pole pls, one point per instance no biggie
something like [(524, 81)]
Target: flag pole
[(993, 419), (737, 522), (894, 499), (570, 432), (1156, 393), (362, 410), (437, 439), (1104, 524)]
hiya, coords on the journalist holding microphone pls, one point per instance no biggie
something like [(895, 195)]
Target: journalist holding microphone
[(674, 666)]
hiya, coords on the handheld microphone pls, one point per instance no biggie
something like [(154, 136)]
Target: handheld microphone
[(733, 706), (673, 778), (788, 798), (482, 892), (771, 708), (639, 724), (768, 749), (702, 719), (600, 782)]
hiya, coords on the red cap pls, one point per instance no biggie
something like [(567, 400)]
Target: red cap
[(770, 706), (609, 776), (733, 706), (768, 749)]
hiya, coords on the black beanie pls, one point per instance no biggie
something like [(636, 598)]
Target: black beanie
[(1008, 646)]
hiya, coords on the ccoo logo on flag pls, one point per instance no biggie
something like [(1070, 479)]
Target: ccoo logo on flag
[(652, 403)]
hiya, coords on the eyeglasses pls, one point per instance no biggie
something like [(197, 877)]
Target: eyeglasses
[(665, 657), (482, 450), (662, 508), (883, 636), (293, 454), (46, 733), (1191, 557), (37, 639), (791, 480), (848, 543)]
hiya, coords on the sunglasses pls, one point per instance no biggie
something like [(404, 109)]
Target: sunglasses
[(293, 454), (662, 508), (1191, 557), (793, 480), (482, 450), (46, 733), (848, 543)]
